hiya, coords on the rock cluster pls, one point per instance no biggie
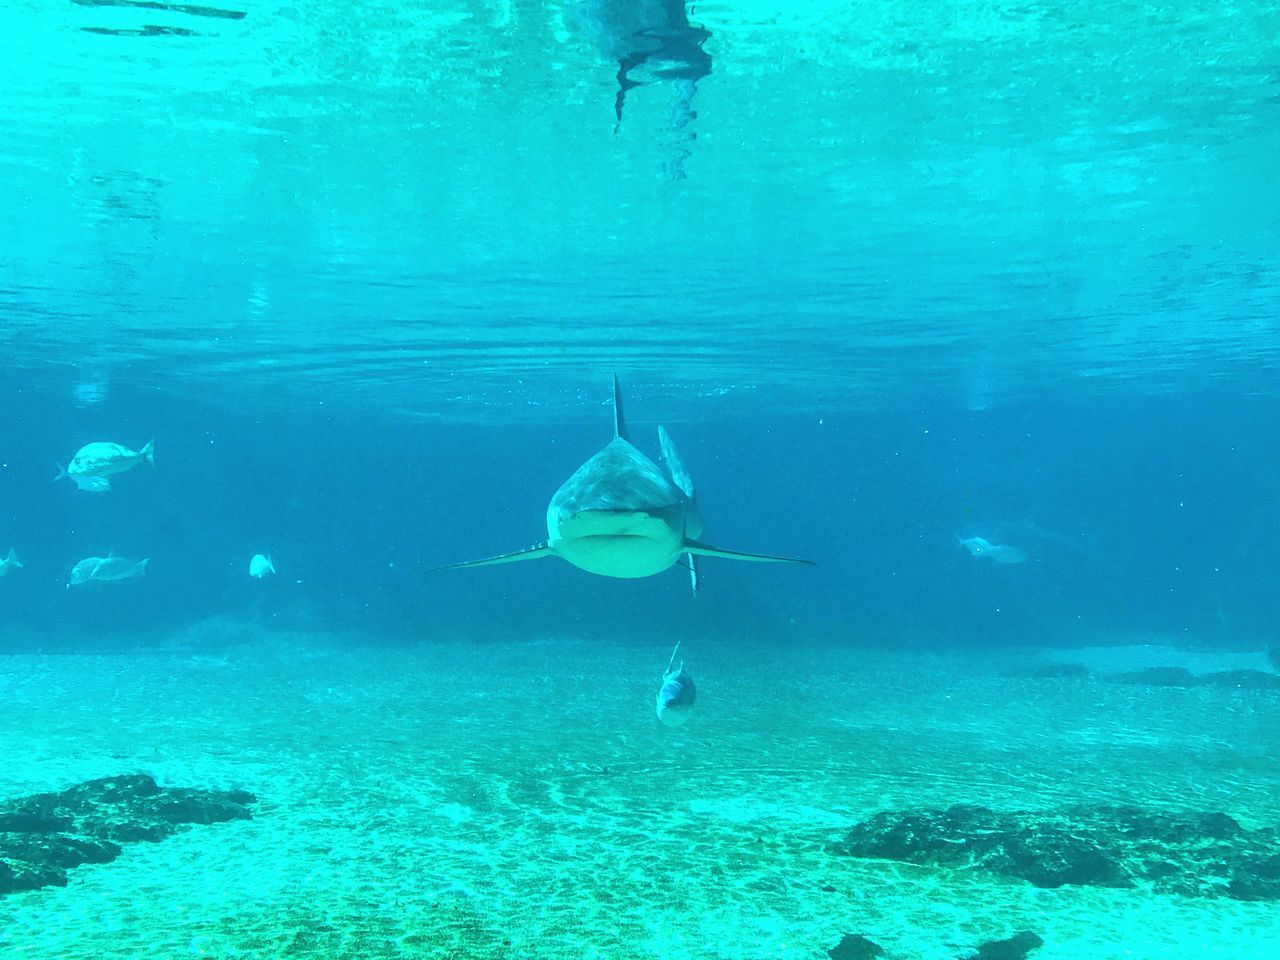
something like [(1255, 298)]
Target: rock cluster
[(854, 946), (45, 835), (1010, 948), (1191, 854)]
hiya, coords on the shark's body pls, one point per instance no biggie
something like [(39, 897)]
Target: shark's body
[(620, 515)]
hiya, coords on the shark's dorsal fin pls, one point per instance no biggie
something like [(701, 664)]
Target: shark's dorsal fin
[(619, 424), (673, 658), (675, 466), (537, 551)]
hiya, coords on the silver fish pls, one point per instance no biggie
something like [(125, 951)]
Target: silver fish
[(102, 459), (261, 566), (108, 569), (677, 695), (11, 562), (978, 547)]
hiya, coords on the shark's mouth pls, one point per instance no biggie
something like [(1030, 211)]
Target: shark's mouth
[(628, 555), (615, 526), (618, 539)]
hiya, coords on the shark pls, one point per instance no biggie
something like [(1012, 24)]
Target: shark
[(620, 515)]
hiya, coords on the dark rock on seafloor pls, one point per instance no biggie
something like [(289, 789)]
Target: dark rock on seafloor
[(46, 834), (1050, 671), (1154, 676), (1159, 677), (1055, 857), (854, 946), (1192, 854), (1011, 948)]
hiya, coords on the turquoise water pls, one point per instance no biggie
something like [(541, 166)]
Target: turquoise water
[(426, 205), (907, 284)]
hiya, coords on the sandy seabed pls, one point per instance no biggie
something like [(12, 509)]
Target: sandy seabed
[(520, 800)]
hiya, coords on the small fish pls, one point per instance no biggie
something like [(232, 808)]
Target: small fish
[(103, 459), (677, 695), (87, 484), (109, 568), (979, 547), (261, 566), (11, 562)]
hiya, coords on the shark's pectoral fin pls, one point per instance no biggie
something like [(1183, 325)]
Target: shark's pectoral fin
[(697, 548), (537, 551)]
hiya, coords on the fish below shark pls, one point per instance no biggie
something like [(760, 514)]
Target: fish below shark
[(620, 515), (677, 695)]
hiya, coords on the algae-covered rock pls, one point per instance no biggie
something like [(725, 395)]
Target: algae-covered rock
[(1050, 671), (854, 946), (46, 834), (1188, 854), (1159, 677), (1010, 948)]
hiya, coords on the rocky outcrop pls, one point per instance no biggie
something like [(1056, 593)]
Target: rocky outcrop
[(854, 946), (1049, 671), (1192, 854), (1010, 948), (46, 834)]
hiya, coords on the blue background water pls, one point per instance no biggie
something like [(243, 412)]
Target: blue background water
[(922, 271)]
